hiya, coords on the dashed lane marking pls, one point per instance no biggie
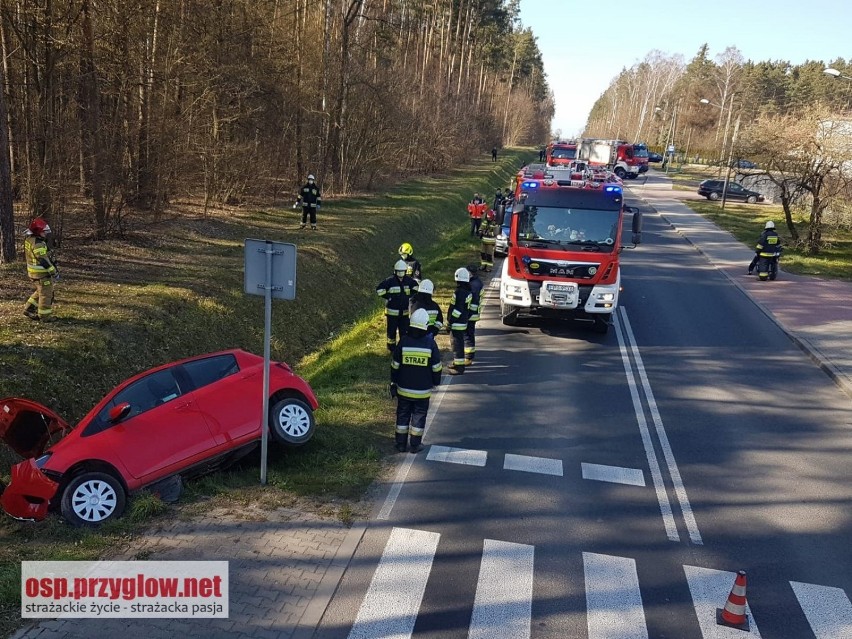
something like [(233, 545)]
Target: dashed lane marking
[(613, 474), (457, 455), (541, 465)]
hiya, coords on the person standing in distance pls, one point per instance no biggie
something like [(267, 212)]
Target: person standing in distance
[(768, 243), (41, 270), (310, 199), (415, 369), (406, 253)]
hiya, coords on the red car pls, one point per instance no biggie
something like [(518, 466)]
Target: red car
[(195, 415)]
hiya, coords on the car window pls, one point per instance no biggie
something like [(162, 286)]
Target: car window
[(144, 394), (203, 372), (735, 187)]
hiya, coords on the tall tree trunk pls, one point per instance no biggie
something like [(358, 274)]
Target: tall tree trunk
[(7, 212), (92, 147), (509, 90), (298, 40)]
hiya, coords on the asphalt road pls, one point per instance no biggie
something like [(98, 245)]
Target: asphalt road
[(580, 485)]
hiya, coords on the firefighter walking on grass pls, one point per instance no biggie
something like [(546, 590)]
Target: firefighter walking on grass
[(310, 199), (41, 269), (415, 369), (396, 291), (458, 314)]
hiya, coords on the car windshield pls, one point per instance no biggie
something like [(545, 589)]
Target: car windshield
[(564, 154), (640, 152), (568, 227)]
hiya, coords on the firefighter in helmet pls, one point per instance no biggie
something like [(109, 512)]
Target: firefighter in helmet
[(475, 304), (458, 314), (41, 269), (310, 199), (415, 369), (406, 253), (488, 237), (423, 299), (768, 245), (396, 291)]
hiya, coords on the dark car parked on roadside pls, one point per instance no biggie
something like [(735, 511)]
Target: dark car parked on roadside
[(712, 190), (745, 164), (654, 157)]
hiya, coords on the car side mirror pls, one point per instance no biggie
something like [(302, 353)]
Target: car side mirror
[(637, 224), (119, 412)]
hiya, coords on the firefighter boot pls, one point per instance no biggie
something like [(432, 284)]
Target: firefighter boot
[(402, 441), (416, 447), (31, 312)]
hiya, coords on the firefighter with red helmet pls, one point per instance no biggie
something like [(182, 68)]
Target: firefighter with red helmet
[(397, 291), (41, 269), (458, 315), (415, 369)]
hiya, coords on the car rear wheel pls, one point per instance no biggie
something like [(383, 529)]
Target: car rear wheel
[(751, 199), (291, 421), (92, 499), (713, 196)]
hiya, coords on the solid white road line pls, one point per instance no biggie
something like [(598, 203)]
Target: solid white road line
[(541, 465), (457, 455), (710, 590), (613, 474), (680, 490), (653, 464), (405, 466), (503, 604), (389, 609), (613, 602), (828, 610)]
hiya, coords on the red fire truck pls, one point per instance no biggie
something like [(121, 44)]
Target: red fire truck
[(560, 153), (624, 159), (564, 243)]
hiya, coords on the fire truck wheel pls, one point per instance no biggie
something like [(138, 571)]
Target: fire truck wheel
[(620, 172)]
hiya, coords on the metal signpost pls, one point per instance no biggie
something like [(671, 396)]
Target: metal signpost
[(270, 270)]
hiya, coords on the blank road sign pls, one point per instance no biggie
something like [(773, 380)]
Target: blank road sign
[(283, 269)]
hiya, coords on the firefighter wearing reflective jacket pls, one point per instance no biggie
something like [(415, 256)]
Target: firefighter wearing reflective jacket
[(406, 254), (423, 299), (310, 199), (415, 369), (475, 303), (488, 235), (458, 314), (397, 291), (41, 270), (768, 245), (476, 209)]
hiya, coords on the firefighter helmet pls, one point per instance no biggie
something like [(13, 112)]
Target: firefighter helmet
[(426, 286), (39, 226), (406, 249), (462, 275), (419, 319), (769, 225), (489, 216), (400, 267), (311, 177)]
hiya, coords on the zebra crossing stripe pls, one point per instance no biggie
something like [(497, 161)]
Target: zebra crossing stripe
[(613, 474), (390, 607), (457, 455), (527, 464), (503, 604), (827, 609), (613, 602), (710, 590)]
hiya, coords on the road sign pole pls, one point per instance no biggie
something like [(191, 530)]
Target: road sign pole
[(267, 338)]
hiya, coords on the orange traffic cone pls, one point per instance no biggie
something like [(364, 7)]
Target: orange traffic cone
[(733, 614)]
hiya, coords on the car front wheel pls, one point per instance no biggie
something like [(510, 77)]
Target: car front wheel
[(92, 499), (291, 421), (714, 196), (751, 199)]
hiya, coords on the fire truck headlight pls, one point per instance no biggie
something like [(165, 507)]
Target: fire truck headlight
[(606, 297)]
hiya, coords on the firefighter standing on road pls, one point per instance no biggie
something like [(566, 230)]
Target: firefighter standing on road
[(768, 245), (310, 199), (415, 369), (397, 291), (488, 233), (406, 254), (41, 270), (423, 299), (475, 303), (458, 314)]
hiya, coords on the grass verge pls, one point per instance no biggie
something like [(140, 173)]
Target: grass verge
[(174, 289)]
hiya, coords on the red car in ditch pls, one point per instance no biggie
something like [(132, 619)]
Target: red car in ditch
[(188, 417)]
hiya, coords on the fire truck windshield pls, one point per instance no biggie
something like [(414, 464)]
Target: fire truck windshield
[(563, 154), (594, 230)]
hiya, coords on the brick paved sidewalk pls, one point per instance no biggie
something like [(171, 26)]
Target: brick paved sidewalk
[(277, 562)]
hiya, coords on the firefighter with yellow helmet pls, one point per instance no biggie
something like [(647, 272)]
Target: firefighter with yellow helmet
[(406, 253)]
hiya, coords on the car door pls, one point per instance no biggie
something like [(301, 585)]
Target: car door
[(164, 431), (229, 398), (736, 192)]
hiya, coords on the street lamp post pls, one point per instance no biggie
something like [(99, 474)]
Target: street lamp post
[(731, 151), (835, 73)]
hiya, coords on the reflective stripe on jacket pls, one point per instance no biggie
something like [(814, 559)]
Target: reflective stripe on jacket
[(37, 256), (416, 367), (397, 293), (458, 313)]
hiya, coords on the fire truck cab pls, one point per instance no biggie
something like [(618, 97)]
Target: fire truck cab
[(564, 244), (560, 153)]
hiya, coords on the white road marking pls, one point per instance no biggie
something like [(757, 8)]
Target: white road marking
[(405, 466), (503, 604), (680, 489), (827, 609), (653, 464), (527, 464), (457, 455), (613, 474), (613, 602), (389, 609), (710, 590)]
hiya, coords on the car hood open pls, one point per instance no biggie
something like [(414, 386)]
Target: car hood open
[(27, 427)]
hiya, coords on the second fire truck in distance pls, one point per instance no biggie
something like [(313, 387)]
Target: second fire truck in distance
[(564, 243)]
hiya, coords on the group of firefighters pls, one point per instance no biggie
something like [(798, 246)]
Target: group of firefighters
[(485, 223)]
